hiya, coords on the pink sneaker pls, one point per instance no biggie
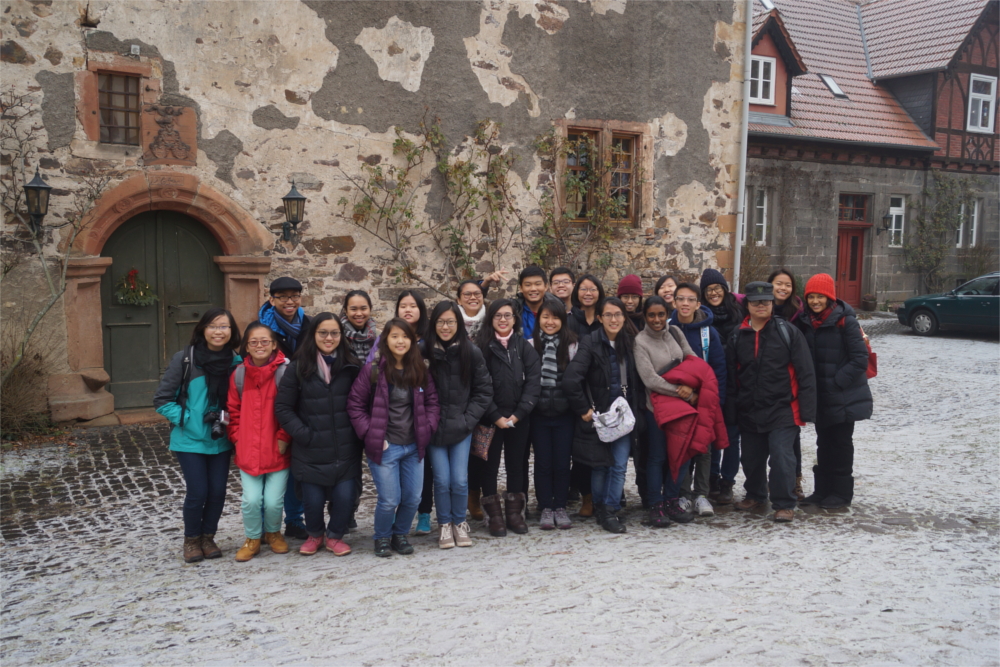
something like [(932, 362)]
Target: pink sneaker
[(338, 547), (311, 546)]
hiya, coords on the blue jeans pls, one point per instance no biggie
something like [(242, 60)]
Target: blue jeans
[(552, 438), (726, 462), (260, 498), (294, 507), (205, 478), (398, 480), (338, 499), (450, 465), (607, 482)]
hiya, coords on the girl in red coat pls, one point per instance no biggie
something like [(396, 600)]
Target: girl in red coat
[(261, 444)]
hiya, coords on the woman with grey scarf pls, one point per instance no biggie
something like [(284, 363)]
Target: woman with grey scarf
[(552, 422)]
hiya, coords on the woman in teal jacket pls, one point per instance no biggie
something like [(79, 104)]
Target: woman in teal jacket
[(192, 395)]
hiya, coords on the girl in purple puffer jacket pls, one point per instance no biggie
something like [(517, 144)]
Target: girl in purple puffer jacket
[(394, 407)]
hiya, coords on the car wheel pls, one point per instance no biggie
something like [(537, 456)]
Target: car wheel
[(924, 323)]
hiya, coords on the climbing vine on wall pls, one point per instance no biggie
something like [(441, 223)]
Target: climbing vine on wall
[(477, 221), (585, 208), (933, 230)]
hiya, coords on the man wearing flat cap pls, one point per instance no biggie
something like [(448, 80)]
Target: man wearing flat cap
[(283, 314), (772, 390)]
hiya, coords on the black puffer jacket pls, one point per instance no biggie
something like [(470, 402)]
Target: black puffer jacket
[(325, 448), (461, 406), (552, 401), (517, 379), (840, 357), (772, 383), (591, 368)]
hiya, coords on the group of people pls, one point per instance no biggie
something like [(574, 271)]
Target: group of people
[(690, 382)]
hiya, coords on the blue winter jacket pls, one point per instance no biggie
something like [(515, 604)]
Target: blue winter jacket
[(703, 318)]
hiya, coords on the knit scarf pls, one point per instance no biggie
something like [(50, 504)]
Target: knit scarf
[(278, 324), (216, 367), (361, 342), (819, 318), (473, 323), (550, 366), (721, 315), (504, 339)]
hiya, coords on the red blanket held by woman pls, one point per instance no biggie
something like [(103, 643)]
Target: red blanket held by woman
[(689, 429)]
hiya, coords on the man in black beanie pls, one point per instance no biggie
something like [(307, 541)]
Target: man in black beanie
[(283, 314)]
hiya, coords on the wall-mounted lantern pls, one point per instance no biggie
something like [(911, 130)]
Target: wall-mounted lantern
[(295, 207), (36, 196)]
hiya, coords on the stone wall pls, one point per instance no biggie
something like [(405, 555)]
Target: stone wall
[(802, 218)]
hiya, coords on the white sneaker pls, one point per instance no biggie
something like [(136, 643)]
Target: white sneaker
[(447, 537), (684, 503), (702, 507)]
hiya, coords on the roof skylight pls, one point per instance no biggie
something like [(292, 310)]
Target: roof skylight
[(832, 85)]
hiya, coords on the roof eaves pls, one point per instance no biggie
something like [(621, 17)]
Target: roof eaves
[(842, 142)]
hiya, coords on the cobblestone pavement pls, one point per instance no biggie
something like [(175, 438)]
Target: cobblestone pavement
[(91, 570)]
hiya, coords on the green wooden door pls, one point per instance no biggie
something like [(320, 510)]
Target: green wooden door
[(173, 253)]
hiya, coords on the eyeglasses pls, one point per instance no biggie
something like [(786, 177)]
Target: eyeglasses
[(589, 290), (614, 317), (472, 294), (286, 299), (714, 290), (562, 283), (328, 334), (224, 327), (447, 324), (503, 316), (685, 299), (259, 343)]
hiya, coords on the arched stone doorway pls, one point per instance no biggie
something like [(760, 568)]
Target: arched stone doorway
[(82, 393)]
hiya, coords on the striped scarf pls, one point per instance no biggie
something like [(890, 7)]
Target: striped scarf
[(550, 367)]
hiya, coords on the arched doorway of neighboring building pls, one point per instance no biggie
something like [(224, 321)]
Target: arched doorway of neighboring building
[(174, 254)]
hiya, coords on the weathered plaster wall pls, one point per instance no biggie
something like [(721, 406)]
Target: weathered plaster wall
[(310, 90)]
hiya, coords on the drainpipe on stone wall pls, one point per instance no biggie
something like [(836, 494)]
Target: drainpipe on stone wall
[(744, 129)]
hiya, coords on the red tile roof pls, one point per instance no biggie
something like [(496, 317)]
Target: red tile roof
[(911, 36), (827, 35)]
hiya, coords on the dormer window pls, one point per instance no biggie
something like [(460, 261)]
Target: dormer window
[(762, 71), (833, 86), (982, 94)]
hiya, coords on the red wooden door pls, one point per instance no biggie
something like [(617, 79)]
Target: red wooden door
[(850, 255)]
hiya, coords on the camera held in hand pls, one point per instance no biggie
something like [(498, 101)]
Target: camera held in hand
[(219, 420)]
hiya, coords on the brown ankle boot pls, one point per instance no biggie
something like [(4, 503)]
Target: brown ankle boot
[(475, 509), (276, 542), (587, 506), (514, 509), (493, 514), (192, 550), (209, 547), (249, 549)]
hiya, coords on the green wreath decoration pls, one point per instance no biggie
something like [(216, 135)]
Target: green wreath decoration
[(131, 291)]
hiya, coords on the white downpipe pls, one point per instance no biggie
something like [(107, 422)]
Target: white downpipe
[(741, 203)]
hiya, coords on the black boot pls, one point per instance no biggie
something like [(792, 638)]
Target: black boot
[(611, 522), (822, 488), (841, 493), (714, 487)]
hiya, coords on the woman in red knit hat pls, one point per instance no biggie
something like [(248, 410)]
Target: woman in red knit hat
[(840, 357), (630, 292)]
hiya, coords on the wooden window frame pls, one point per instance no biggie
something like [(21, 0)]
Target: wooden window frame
[(605, 132), (853, 220), (759, 80), (990, 97), (104, 105)]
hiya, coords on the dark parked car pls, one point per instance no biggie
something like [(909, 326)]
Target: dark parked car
[(972, 306)]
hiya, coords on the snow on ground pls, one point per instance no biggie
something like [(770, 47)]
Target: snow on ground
[(908, 576)]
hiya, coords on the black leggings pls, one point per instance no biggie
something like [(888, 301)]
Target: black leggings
[(511, 442), (427, 494)]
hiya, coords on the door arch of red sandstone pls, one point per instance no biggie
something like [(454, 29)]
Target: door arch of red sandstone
[(80, 394)]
